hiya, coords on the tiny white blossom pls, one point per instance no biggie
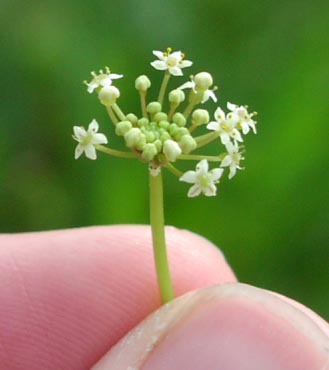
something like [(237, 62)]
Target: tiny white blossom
[(88, 139), (226, 125), (173, 62), (232, 158), (206, 94), (101, 80), (244, 119), (204, 181)]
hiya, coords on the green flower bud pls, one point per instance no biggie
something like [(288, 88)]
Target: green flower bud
[(180, 132), (142, 83), (165, 136), (164, 124), (176, 96), (132, 118), (160, 116), (108, 95), (123, 127), (187, 143), (149, 136), (158, 145), (153, 107), (142, 122), (203, 81), (200, 117), (149, 151), (173, 128), (134, 137), (171, 150), (179, 119)]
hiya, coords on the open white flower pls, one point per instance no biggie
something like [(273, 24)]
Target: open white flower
[(232, 159), (173, 62), (88, 139), (206, 94), (244, 119), (101, 80), (226, 125), (204, 181)]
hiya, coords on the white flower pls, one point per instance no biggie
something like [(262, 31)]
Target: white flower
[(101, 80), (244, 119), (232, 158), (204, 181), (87, 140), (173, 62), (226, 126), (206, 93)]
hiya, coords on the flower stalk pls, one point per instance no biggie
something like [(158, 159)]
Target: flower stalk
[(158, 237)]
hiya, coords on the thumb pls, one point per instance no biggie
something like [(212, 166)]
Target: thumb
[(229, 326)]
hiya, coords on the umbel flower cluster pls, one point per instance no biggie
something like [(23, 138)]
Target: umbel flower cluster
[(162, 137)]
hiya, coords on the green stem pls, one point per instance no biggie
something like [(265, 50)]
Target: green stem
[(163, 87), (118, 112), (115, 153), (143, 103), (158, 236), (112, 115), (174, 170), (206, 138), (193, 157)]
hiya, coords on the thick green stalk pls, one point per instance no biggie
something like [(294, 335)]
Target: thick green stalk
[(158, 236)]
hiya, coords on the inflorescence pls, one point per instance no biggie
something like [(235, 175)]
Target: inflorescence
[(161, 138)]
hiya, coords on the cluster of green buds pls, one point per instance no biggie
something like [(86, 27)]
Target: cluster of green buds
[(161, 137)]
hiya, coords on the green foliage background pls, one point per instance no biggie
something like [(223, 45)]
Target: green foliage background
[(271, 221)]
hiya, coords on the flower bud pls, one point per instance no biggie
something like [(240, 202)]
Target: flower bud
[(203, 81), (179, 119), (200, 117), (176, 96), (134, 137), (132, 118), (187, 143), (123, 127), (160, 116), (108, 95), (142, 83), (153, 107), (171, 150), (149, 151), (142, 122)]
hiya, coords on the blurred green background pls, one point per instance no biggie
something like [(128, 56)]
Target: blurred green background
[(271, 221)]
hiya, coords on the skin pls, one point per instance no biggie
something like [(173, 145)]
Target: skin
[(77, 299)]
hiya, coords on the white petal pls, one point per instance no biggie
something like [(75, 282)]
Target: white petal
[(211, 95), (185, 63), (91, 87), (214, 125), (187, 85), (215, 174), (159, 54), (202, 166), (115, 76), (79, 132), (99, 139), (232, 172), (231, 107), (189, 177), (90, 152), (224, 137), (177, 55), (194, 191), (245, 127), (78, 151), (219, 114), (106, 81), (226, 161), (175, 71), (93, 126), (230, 147), (210, 191), (159, 65), (236, 135)]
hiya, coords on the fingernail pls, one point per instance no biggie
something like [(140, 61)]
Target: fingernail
[(231, 327)]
